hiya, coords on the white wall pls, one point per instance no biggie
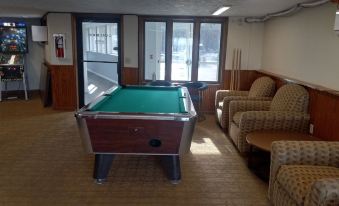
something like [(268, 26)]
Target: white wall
[(59, 23), (304, 46), (130, 38), (248, 38)]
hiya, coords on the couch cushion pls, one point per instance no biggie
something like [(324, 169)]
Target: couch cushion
[(236, 118), (290, 97), (262, 87), (297, 180)]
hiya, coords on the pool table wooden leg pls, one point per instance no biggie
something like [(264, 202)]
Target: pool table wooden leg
[(171, 164), (102, 166)]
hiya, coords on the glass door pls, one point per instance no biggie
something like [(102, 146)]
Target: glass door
[(99, 59), (182, 49), (182, 45), (155, 47)]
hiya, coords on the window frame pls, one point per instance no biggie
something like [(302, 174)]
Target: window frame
[(169, 20)]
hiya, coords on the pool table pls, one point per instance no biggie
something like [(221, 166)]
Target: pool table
[(138, 120)]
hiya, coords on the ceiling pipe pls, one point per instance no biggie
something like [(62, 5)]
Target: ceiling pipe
[(286, 12)]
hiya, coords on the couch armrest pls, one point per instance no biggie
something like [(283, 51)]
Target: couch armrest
[(226, 104), (302, 153), (324, 192), (221, 94), (274, 120), (243, 106)]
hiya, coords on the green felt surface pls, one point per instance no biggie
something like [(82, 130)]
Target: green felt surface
[(144, 99)]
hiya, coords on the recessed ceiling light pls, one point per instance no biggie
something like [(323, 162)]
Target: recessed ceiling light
[(220, 10), (337, 12)]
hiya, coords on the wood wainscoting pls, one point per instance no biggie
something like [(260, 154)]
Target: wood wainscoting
[(130, 76), (324, 110), (208, 98), (246, 79), (64, 94), (323, 106)]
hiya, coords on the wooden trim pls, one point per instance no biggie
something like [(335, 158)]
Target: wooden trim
[(195, 51), (141, 48), (296, 81), (122, 27), (168, 46), (75, 59), (223, 51), (130, 76)]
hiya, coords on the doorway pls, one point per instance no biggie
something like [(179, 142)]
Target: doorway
[(99, 56)]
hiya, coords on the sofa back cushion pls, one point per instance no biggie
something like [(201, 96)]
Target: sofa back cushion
[(262, 87), (290, 97)]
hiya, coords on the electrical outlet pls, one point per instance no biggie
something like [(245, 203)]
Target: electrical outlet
[(311, 128)]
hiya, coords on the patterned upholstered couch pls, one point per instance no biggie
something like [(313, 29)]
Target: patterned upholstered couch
[(304, 173), (287, 111), (262, 88)]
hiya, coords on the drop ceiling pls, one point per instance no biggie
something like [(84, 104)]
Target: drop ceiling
[(36, 8)]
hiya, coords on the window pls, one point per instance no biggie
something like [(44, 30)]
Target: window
[(209, 52), (102, 38), (182, 49)]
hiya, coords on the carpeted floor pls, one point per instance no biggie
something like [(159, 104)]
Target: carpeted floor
[(42, 162)]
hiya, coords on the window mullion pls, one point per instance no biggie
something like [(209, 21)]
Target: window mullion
[(168, 52), (195, 56)]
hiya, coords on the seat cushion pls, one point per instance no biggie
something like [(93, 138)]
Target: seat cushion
[(297, 180), (236, 118)]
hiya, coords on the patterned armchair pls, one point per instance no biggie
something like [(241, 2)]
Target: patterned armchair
[(304, 173), (287, 111), (262, 88)]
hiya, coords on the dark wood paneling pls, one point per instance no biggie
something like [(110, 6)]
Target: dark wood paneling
[(64, 96), (324, 110), (323, 106), (208, 98), (135, 136), (130, 76), (247, 77)]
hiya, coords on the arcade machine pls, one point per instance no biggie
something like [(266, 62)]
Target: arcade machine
[(13, 46)]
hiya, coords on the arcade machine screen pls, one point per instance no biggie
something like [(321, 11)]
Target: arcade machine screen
[(13, 40)]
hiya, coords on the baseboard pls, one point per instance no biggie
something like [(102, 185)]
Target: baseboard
[(19, 94)]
